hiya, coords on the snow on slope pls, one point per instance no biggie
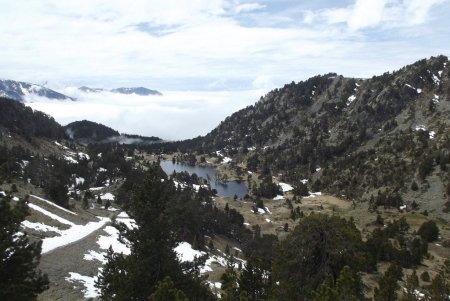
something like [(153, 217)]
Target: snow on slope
[(73, 234), (53, 204), (51, 215), (90, 290)]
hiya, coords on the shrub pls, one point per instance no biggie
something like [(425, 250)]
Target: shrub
[(429, 231)]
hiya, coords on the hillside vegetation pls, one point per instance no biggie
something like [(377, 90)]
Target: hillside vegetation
[(385, 139)]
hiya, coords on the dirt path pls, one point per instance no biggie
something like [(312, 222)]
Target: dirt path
[(59, 262)]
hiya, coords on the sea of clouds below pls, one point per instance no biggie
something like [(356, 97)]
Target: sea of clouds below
[(173, 116)]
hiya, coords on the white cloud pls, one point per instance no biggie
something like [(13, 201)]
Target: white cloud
[(366, 13), (248, 7), (175, 115), (381, 13)]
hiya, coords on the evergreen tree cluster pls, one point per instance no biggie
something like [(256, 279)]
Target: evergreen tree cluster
[(19, 257)]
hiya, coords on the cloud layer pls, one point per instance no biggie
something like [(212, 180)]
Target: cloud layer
[(173, 116)]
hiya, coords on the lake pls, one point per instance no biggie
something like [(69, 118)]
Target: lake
[(229, 189)]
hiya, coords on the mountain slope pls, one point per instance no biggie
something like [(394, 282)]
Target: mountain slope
[(19, 91), (20, 119), (367, 139), (87, 132)]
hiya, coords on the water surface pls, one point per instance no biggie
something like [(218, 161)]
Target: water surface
[(227, 189)]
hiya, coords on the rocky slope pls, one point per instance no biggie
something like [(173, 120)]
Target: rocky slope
[(385, 139)]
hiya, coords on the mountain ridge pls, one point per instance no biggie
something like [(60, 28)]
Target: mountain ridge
[(20, 90), (141, 91), (360, 138)]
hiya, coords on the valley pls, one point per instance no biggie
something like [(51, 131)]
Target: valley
[(327, 178)]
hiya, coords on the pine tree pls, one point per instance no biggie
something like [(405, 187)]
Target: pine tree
[(152, 243), (429, 231), (348, 287), (320, 245), (326, 291), (165, 290), (19, 258), (411, 288), (388, 284), (254, 280), (85, 202), (439, 289)]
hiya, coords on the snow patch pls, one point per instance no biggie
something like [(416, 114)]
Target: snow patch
[(83, 156), (185, 252), (435, 99), (40, 227), (285, 187), (73, 234), (95, 188), (226, 160), (436, 80), (79, 181), (350, 99), (90, 291), (123, 214), (313, 194), (112, 240), (53, 204), (420, 127), (107, 196), (418, 90), (70, 160), (93, 255), (278, 198), (51, 215)]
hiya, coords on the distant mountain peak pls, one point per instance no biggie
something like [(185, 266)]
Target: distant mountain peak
[(20, 90), (136, 90), (90, 90), (141, 91)]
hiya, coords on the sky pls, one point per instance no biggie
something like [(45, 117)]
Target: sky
[(208, 57)]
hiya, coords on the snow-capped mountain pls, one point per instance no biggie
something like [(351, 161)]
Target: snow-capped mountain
[(141, 91), (136, 90), (20, 90)]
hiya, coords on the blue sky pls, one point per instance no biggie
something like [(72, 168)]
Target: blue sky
[(214, 45)]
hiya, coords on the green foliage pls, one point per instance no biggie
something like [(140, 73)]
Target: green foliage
[(267, 188), (254, 280), (320, 245), (19, 277), (407, 252), (23, 120), (439, 289), (388, 284), (152, 258), (347, 287), (229, 281), (429, 231), (411, 288), (90, 130), (414, 186), (301, 189), (165, 290)]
